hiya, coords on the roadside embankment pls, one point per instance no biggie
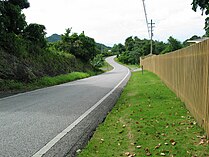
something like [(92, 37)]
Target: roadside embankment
[(148, 120)]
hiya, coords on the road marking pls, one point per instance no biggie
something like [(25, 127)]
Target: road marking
[(51, 143)]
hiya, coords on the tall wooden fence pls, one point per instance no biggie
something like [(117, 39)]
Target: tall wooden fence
[(186, 72)]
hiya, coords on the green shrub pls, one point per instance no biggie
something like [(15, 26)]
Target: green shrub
[(98, 61)]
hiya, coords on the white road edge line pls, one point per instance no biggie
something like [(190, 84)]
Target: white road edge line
[(51, 143)]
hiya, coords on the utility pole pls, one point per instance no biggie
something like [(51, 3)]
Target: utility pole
[(151, 35)]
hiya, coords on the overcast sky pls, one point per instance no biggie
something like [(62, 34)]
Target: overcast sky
[(112, 21)]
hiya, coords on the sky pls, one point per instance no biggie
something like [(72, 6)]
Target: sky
[(112, 21)]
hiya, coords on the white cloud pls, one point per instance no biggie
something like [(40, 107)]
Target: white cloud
[(112, 21)]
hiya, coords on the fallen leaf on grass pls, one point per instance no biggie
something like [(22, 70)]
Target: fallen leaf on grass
[(138, 147), (162, 154), (132, 144), (127, 153), (130, 154), (173, 142), (158, 146), (202, 141), (102, 140), (147, 152), (163, 134)]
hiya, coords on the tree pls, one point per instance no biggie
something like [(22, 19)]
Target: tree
[(12, 20), (159, 47), (134, 49), (118, 48), (129, 44), (23, 4), (12, 25), (204, 6), (121, 48), (87, 47), (80, 46), (36, 34), (173, 44)]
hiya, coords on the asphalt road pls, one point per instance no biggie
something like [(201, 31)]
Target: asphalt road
[(35, 123)]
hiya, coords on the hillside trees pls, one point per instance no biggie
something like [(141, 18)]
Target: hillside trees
[(81, 45), (12, 24), (204, 6), (36, 34), (26, 56), (16, 36)]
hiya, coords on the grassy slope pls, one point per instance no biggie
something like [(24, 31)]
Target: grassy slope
[(148, 120), (132, 67), (11, 85), (106, 67)]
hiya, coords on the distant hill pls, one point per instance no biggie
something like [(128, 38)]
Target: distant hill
[(54, 38), (102, 46)]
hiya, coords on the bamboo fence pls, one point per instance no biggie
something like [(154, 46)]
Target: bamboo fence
[(186, 72)]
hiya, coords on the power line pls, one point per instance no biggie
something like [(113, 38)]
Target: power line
[(150, 27), (145, 12)]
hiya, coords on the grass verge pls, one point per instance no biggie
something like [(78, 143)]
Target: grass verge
[(148, 120), (106, 67), (132, 67), (11, 85)]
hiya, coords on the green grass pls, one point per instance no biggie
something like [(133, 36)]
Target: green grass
[(148, 120), (106, 67), (132, 67), (11, 85)]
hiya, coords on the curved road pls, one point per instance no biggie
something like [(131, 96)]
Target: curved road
[(56, 120)]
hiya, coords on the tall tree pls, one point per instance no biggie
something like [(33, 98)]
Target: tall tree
[(12, 19), (36, 34), (129, 44), (173, 44), (204, 6), (81, 45)]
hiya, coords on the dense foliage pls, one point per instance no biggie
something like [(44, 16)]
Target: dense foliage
[(25, 54), (81, 45), (204, 6), (134, 48)]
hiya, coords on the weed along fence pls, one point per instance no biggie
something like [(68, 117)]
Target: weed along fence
[(186, 72)]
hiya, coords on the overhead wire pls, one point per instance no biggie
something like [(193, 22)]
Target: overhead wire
[(145, 12)]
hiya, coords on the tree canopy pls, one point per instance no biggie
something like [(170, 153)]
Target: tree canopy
[(16, 36), (134, 48), (81, 45), (204, 6)]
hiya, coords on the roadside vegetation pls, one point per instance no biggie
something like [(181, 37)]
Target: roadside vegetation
[(28, 60), (106, 67), (14, 86), (148, 120), (132, 67), (134, 48)]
